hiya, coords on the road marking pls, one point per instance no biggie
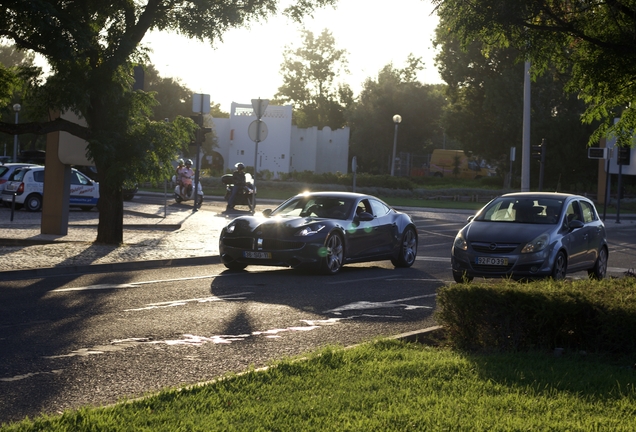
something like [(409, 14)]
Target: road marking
[(133, 284), (435, 233), (437, 259), (173, 303), (365, 305)]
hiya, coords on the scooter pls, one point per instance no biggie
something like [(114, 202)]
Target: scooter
[(246, 196), (187, 193)]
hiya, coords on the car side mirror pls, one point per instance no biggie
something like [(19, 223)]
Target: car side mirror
[(267, 212), (364, 217), (575, 224), (470, 218)]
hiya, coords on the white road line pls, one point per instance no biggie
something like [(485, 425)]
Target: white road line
[(427, 258), (131, 285), (435, 233)]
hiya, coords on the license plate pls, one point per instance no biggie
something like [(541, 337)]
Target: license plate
[(257, 255), (491, 261)]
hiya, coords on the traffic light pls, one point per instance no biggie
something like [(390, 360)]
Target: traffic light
[(624, 155), (537, 152)]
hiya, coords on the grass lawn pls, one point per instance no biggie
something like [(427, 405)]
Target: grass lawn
[(386, 385)]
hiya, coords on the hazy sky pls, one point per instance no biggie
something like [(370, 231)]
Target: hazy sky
[(246, 64)]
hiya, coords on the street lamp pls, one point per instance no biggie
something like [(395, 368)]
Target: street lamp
[(396, 119), (16, 108)]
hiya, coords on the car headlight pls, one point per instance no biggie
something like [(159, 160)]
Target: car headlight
[(460, 242), (310, 230), (536, 245), (230, 228)]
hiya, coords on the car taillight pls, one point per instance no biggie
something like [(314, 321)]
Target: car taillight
[(20, 189)]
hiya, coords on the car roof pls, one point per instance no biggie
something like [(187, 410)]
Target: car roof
[(540, 195), (336, 194)]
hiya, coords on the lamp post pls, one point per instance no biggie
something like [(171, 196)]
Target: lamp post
[(16, 108), (396, 119)]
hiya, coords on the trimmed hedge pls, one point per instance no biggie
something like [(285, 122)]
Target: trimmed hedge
[(586, 315)]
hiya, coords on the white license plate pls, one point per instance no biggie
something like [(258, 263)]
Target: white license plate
[(257, 255), (491, 261)]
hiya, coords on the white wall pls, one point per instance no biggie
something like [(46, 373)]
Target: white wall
[(286, 148)]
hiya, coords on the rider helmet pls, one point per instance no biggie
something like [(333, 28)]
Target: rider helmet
[(239, 166), (180, 162), (189, 162)]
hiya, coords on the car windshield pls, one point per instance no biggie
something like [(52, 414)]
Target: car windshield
[(315, 206), (522, 210), (3, 170)]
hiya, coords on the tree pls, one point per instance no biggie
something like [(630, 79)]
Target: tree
[(15, 66), (593, 39), (485, 110), (395, 91), (175, 99), (309, 74), (92, 47)]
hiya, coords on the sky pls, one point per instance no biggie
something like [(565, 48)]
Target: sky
[(247, 63)]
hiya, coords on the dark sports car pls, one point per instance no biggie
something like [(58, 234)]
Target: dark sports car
[(320, 230)]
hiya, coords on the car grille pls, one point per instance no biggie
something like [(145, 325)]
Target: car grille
[(491, 268), (493, 248), (248, 243)]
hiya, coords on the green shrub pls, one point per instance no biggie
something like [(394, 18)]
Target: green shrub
[(594, 316)]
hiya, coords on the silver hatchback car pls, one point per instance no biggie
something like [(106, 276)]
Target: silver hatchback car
[(530, 235)]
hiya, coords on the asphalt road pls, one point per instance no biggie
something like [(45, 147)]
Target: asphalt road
[(93, 339)]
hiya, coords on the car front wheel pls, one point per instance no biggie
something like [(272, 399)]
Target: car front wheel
[(333, 254), (461, 277), (33, 203), (408, 249), (599, 271), (560, 267)]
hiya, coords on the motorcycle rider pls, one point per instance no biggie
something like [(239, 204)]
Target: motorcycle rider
[(180, 166), (186, 175), (239, 183)]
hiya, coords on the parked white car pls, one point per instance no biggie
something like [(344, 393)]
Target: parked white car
[(9, 168), (28, 185)]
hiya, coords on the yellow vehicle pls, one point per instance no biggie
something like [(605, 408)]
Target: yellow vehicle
[(455, 163)]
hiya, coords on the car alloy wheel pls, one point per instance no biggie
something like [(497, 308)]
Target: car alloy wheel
[(332, 262), (560, 267), (408, 249), (599, 271)]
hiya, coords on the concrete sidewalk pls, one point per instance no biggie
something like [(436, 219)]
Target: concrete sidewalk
[(154, 235)]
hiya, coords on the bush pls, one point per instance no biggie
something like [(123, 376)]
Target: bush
[(594, 316)]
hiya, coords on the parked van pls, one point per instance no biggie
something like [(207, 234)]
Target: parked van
[(455, 163)]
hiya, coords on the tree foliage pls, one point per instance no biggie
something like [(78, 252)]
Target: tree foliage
[(485, 111), (92, 47), (593, 40), (395, 91), (309, 81)]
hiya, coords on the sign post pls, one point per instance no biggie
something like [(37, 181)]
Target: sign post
[(200, 105), (257, 130)]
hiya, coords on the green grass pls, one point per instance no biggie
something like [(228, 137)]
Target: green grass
[(385, 386)]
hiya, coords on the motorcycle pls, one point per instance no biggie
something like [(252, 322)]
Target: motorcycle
[(187, 193), (246, 196)]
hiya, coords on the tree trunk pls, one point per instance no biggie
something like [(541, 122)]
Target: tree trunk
[(110, 229)]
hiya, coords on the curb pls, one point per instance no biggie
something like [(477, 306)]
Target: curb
[(108, 268)]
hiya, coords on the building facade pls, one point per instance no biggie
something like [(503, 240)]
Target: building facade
[(285, 149)]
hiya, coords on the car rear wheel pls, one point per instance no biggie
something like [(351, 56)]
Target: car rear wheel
[(560, 267), (599, 271), (33, 202), (408, 249), (334, 254)]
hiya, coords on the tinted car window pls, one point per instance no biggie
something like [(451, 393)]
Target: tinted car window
[(379, 209), (3, 170), (18, 175), (38, 176), (589, 214), (78, 179)]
